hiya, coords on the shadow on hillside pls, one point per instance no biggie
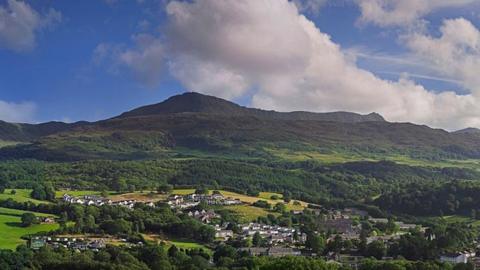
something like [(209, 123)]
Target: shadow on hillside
[(15, 224), (10, 214)]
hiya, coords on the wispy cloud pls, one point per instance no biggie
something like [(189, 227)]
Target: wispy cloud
[(19, 24), (17, 112)]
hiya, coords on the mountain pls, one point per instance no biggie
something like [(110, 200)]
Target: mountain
[(469, 130), (192, 102), (196, 124), (16, 132)]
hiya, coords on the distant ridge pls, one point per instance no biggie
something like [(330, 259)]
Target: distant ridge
[(469, 130), (192, 102)]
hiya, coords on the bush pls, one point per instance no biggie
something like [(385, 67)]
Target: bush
[(28, 219)]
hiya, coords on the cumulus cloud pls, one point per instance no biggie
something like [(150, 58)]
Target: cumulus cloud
[(17, 112), (19, 24), (310, 6), (401, 12), (455, 53), (194, 73), (269, 51), (287, 63), (145, 61)]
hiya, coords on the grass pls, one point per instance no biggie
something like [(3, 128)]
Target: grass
[(21, 195), (179, 243), (183, 191), (7, 143), (250, 199), (248, 213), (456, 219), (339, 157), (266, 197), (11, 231), (76, 193), (188, 245), (145, 196), (16, 212)]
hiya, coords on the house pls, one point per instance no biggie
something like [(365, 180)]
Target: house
[(47, 220), (405, 227), (282, 251), (342, 225), (355, 212), (256, 251), (203, 216), (378, 220), (353, 262), (225, 234), (383, 238), (456, 258)]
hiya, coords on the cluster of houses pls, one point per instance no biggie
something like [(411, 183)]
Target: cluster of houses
[(272, 251), (86, 200), (204, 216), (274, 234), (192, 200), (341, 223), (71, 243), (96, 200)]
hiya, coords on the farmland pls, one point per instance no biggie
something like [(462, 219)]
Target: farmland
[(21, 195), (11, 230)]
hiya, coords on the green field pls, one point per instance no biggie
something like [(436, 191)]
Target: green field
[(179, 243), (183, 191), (76, 193), (21, 195), (339, 157), (11, 231), (189, 245), (457, 219), (248, 213), (245, 211)]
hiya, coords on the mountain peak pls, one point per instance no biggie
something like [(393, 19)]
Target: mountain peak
[(469, 130), (192, 102), (187, 102)]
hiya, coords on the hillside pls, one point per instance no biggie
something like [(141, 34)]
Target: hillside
[(16, 132), (193, 123), (192, 102)]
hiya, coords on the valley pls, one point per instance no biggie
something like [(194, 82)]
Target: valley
[(351, 185)]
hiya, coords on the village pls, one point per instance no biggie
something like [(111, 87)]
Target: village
[(276, 240)]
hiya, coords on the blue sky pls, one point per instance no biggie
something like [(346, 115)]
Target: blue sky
[(90, 60)]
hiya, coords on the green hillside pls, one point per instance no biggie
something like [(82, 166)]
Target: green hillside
[(194, 139), (11, 230)]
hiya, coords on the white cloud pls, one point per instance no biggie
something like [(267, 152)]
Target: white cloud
[(310, 6), (289, 64), (193, 74), (402, 12), (19, 24), (145, 62), (17, 112), (455, 53)]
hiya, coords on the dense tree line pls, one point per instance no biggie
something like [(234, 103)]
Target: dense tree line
[(309, 181), (160, 257), (456, 197)]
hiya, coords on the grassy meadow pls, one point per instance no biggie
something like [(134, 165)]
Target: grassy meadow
[(340, 157), (179, 243), (11, 230), (21, 195)]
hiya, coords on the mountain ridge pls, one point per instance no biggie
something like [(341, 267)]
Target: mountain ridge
[(196, 122), (193, 102)]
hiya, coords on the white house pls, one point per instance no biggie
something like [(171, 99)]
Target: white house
[(456, 258)]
